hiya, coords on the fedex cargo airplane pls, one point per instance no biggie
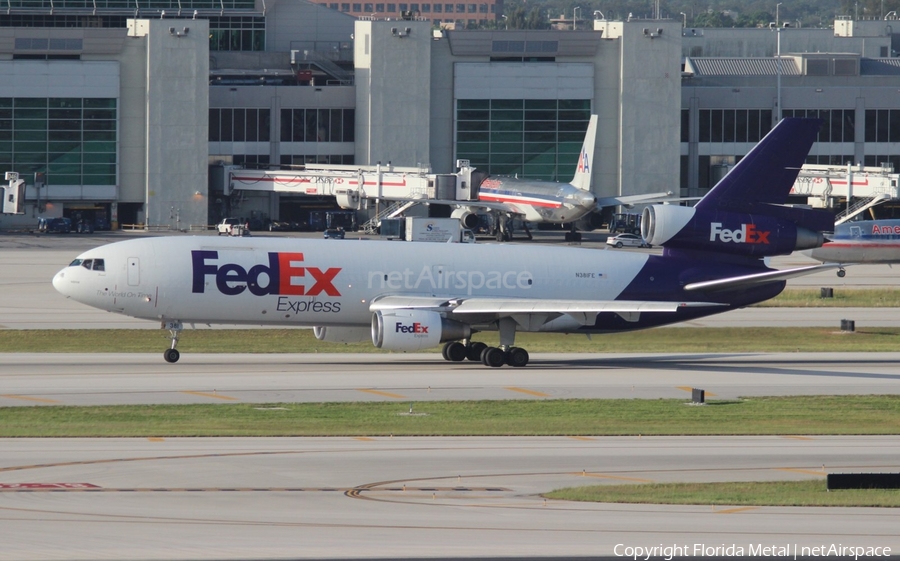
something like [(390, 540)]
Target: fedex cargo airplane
[(547, 202), (863, 241), (409, 296)]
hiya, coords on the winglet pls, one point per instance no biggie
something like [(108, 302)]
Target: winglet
[(582, 178)]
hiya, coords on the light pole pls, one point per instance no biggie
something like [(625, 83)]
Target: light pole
[(777, 65), (505, 22), (684, 20), (575, 11)]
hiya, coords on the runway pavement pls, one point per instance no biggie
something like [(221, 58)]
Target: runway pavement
[(287, 498), (111, 379)]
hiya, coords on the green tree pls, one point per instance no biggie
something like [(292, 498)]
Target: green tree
[(713, 19)]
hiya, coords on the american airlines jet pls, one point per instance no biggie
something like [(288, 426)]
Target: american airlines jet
[(547, 202), (412, 296)]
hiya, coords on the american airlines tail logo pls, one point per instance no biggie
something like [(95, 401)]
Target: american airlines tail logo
[(747, 233), (278, 277), (584, 162)]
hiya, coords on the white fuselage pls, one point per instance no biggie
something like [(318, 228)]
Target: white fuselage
[(289, 281)]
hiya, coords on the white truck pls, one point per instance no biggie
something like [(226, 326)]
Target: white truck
[(231, 227), (440, 230)]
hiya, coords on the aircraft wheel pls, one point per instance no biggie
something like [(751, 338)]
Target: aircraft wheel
[(576, 236), (171, 355), (568, 236), (493, 357), (455, 351), (475, 350), (517, 357), (444, 351), (841, 273)]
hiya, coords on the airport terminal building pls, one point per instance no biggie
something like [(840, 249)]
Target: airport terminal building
[(129, 114)]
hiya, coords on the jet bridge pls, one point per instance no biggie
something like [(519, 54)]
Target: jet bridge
[(861, 187), (353, 186)]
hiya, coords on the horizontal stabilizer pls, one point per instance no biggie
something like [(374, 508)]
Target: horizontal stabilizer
[(760, 278)]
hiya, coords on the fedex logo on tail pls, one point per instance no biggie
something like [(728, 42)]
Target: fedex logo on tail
[(747, 233), (283, 275), (584, 162)]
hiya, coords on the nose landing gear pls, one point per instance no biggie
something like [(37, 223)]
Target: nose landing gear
[(171, 354)]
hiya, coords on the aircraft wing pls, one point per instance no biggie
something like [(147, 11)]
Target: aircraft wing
[(528, 306), (487, 205), (757, 278), (631, 200), (583, 311)]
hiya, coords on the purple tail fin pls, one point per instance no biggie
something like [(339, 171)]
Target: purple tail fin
[(767, 173)]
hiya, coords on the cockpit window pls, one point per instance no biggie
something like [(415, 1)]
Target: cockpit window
[(92, 264), (75, 263)]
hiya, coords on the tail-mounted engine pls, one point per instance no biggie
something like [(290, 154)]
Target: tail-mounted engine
[(757, 235), (414, 330)]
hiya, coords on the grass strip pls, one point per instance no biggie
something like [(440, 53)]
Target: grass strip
[(812, 492), (843, 298), (797, 415), (662, 340)]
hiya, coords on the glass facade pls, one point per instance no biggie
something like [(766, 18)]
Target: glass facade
[(839, 126), (237, 33), (72, 140), (239, 125), (530, 138), (314, 126), (318, 125), (733, 125), (41, 5)]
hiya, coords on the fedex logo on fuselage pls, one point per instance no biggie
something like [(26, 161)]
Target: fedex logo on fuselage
[(278, 277), (746, 234), (416, 328)]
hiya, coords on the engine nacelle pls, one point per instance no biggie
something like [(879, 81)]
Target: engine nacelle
[(661, 223), (334, 334), (414, 330), (467, 219), (753, 234)]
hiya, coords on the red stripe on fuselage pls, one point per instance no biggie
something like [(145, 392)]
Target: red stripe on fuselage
[(490, 197)]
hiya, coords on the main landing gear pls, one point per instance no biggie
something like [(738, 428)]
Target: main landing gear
[(506, 353), (457, 351), (573, 235), (171, 354)]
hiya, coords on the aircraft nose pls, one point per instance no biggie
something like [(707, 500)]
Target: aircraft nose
[(60, 283)]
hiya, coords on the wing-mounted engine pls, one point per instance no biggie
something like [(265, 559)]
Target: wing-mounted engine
[(333, 334), (467, 218), (414, 330), (777, 230)]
